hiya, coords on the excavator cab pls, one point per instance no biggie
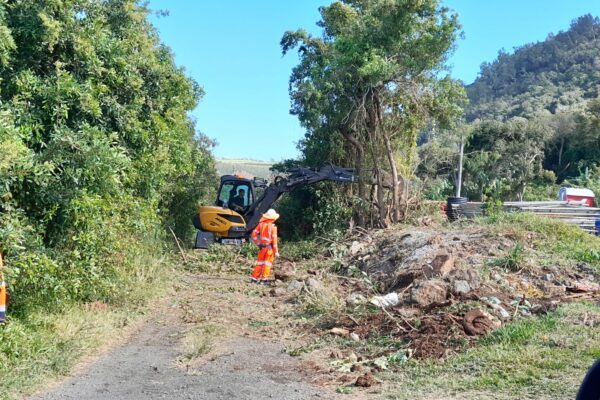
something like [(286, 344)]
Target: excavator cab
[(235, 193), (224, 222)]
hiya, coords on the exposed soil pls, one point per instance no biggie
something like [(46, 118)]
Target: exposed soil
[(419, 293), (448, 287)]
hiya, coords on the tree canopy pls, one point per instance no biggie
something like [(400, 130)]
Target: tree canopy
[(556, 75), (98, 149), (367, 86)]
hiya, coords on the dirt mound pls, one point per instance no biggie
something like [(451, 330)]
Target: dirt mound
[(395, 259), (437, 291)]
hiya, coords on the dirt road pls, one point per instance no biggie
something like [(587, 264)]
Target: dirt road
[(207, 342)]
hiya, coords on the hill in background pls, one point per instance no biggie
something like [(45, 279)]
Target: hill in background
[(559, 74), (246, 167)]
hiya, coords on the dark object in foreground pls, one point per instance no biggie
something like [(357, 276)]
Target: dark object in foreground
[(367, 380), (452, 207), (590, 388)]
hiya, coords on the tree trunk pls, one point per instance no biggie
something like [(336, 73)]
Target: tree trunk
[(560, 153), (359, 213), (381, 200), (395, 180)]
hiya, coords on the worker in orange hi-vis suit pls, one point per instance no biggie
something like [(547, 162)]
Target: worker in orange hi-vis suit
[(265, 237), (2, 293)]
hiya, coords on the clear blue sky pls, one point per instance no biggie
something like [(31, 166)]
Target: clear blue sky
[(232, 49)]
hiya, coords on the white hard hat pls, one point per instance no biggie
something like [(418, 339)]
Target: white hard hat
[(271, 214)]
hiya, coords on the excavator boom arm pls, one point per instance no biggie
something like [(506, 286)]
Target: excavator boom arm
[(297, 178)]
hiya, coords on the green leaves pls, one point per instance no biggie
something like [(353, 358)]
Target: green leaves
[(98, 149), (367, 86)]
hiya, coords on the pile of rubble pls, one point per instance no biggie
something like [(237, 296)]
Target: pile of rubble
[(435, 290), (439, 290)]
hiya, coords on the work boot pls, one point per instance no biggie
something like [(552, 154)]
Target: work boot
[(254, 280), (266, 282)]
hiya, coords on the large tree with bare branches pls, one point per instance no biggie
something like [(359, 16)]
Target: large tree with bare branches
[(366, 88)]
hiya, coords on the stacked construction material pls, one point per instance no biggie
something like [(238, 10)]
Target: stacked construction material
[(570, 212)]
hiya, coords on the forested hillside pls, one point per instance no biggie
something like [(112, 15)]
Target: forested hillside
[(559, 74), (531, 125)]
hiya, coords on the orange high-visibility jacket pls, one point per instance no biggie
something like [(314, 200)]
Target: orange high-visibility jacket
[(265, 235)]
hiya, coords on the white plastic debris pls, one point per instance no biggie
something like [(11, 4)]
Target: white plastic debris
[(389, 300)]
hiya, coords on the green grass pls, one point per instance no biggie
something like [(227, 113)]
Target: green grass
[(554, 241), (535, 358), (301, 250), (45, 346), (45, 343), (539, 358)]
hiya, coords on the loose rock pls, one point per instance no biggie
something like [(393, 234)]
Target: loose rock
[(285, 271), (294, 286), (278, 292), (442, 264), (468, 275), (477, 322), (460, 287), (428, 292), (367, 380), (314, 285), (357, 368), (356, 247), (340, 332)]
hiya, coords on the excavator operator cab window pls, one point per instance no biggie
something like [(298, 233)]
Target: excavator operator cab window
[(236, 196)]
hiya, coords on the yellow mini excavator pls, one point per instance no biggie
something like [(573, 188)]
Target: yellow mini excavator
[(241, 202)]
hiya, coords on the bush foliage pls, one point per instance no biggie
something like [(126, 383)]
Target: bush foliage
[(98, 151)]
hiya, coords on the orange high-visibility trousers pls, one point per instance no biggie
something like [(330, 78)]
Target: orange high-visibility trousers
[(2, 302), (264, 264), (2, 292)]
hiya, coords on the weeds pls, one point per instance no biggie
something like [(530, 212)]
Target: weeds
[(320, 303), (199, 342), (513, 261), (46, 343), (344, 390), (552, 239), (301, 250)]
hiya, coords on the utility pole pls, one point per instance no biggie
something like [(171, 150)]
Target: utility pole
[(460, 165)]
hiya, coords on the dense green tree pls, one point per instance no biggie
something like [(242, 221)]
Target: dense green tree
[(365, 89), (94, 115), (504, 158)]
